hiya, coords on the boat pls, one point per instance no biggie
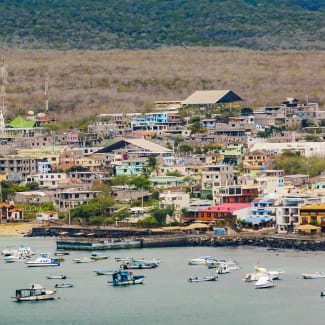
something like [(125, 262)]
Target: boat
[(202, 279), (95, 245), (123, 259), (22, 253), (35, 293), (145, 261), (138, 265), (201, 260), (98, 256), (56, 276), (316, 275), (64, 285), (222, 269), (322, 293), (263, 282), (104, 272), (22, 250), (122, 277), (43, 260), (61, 253), (231, 265), (83, 260), (260, 272)]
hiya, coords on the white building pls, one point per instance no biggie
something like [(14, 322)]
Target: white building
[(48, 180)]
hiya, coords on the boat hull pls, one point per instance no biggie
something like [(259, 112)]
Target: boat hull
[(129, 282), (36, 298)]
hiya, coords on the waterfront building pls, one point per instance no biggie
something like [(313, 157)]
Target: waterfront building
[(313, 214), (226, 212), (235, 193)]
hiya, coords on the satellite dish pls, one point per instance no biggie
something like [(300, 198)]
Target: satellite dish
[(41, 115), (30, 112)]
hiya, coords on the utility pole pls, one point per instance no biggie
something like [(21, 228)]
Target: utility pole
[(46, 92)]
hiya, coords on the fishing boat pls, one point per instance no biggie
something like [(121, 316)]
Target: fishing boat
[(122, 277), (64, 285), (202, 279), (316, 275), (43, 260), (201, 260), (264, 282), (83, 260), (35, 293), (56, 276), (98, 256)]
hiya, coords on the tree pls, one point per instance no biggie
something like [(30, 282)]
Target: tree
[(161, 214), (141, 182)]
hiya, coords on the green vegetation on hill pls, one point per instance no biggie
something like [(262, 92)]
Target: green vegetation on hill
[(107, 24)]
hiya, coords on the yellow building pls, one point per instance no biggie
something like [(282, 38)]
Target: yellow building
[(313, 214)]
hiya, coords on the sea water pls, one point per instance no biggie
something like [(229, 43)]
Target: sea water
[(166, 297)]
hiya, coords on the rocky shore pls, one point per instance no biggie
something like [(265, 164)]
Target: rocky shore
[(156, 239)]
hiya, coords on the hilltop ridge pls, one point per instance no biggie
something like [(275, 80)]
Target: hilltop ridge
[(143, 24)]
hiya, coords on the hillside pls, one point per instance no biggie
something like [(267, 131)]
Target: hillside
[(147, 24), (83, 83)]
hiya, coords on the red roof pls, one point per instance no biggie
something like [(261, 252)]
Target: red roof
[(227, 207)]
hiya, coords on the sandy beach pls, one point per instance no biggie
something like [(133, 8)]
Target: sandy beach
[(16, 228)]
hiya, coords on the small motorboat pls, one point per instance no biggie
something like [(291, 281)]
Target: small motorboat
[(35, 293), (64, 285), (56, 276), (202, 279), (83, 260), (264, 282), (316, 275), (122, 278)]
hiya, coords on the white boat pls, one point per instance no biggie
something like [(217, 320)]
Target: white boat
[(316, 275), (123, 259), (104, 272), (64, 285), (43, 260), (83, 260), (231, 265), (98, 256), (146, 261), (264, 281), (56, 276), (202, 279), (222, 269), (260, 272), (35, 293), (22, 253), (200, 260)]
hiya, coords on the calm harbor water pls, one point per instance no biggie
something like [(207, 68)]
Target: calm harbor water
[(166, 297)]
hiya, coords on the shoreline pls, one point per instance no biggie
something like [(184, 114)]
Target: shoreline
[(8, 229)]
